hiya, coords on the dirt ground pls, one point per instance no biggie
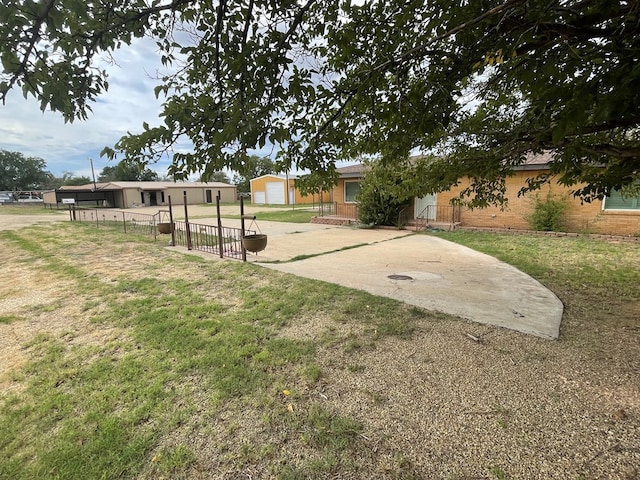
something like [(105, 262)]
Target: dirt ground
[(12, 222), (549, 410), (25, 288)]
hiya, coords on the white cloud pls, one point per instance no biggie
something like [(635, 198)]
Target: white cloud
[(68, 147)]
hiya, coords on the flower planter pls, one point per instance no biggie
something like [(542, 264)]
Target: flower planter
[(254, 243), (164, 227)]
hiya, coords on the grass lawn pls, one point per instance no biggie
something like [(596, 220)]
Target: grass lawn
[(291, 216), (596, 278), (124, 359), (266, 206)]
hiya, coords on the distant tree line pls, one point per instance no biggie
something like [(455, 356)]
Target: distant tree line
[(19, 172), (127, 172), (22, 173)]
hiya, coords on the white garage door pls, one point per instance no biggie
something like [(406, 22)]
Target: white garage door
[(258, 197), (275, 192)]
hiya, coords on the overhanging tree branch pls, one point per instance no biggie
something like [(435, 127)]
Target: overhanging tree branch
[(421, 48), (397, 76)]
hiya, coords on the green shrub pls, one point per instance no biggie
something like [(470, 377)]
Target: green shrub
[(381, 198), (548, 213)]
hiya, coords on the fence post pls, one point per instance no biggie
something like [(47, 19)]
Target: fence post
[(186, 220), (124, 223), (244, 250), (173, 231), (220, 240), (154, 227)]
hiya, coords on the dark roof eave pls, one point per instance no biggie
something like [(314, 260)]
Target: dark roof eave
[(84, 190), (523, 167), (539, 166)]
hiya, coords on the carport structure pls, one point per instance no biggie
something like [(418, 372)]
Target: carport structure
[(137, 194), (98, 195)]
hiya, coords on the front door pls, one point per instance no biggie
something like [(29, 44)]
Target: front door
[(426, 207)]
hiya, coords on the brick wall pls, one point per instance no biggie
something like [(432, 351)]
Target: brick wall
[(579, 217), (332, 221)]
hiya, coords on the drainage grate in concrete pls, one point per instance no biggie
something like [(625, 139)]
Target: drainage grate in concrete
[(399, 277)]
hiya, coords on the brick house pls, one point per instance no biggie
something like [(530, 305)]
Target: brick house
[(614, 215)]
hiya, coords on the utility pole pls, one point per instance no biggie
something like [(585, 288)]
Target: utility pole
[(93, 173)]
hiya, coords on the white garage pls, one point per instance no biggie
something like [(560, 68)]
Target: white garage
[(270, 189)]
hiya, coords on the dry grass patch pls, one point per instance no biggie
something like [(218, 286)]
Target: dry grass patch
[(29, 303), (177, 367)]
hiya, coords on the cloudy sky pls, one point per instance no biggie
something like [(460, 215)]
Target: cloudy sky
[(69, 147)]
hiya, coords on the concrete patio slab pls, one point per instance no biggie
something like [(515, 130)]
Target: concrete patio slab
[(287, 241), (443, 276)]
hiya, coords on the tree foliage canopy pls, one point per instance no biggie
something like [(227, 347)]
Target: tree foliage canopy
[(252, 166), (127, 171), (68, 178), (18, 172), (218, 176), (479, 84)]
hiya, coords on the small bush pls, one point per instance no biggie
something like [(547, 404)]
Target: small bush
[(548, 213), (381, 198)]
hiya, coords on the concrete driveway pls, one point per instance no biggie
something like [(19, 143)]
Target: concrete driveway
[(417, 269)]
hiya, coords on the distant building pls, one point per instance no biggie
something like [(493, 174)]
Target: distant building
[(138, 194), (281, 190)]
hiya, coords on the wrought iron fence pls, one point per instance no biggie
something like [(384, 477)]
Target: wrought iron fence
[(405, 216), (342, 210), (207, 238), (195, 236), (130, 222), (440, 214)]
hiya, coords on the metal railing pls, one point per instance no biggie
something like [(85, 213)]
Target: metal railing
[(130, 222), (439, 214), (405, 216), (194, 236), (342, 210), (431, 214), (207, 238)]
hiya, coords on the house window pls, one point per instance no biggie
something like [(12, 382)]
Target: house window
[(351, 189), (616, 201)]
